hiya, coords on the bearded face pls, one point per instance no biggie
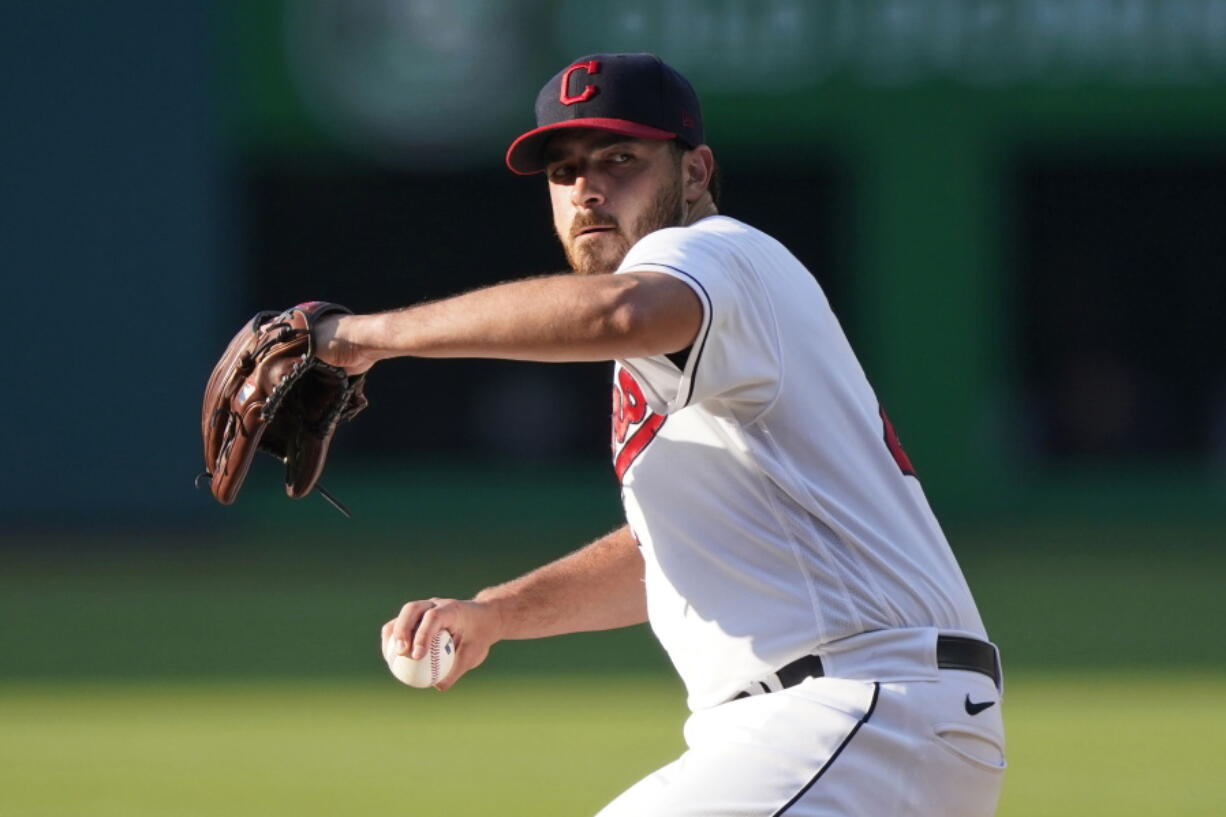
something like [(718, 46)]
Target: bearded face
[(631, 190), (598, 243)]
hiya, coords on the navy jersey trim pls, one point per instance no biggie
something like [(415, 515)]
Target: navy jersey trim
[(872, 705), (698, 346)]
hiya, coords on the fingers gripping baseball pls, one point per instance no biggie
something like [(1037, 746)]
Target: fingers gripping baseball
[(471, 624)]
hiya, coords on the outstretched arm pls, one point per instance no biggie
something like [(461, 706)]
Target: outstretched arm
[(599, 587), (552, 319)]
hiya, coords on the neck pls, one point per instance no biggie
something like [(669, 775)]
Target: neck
[(699, 210)]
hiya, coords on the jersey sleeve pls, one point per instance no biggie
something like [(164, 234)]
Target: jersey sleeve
[(735, 356)]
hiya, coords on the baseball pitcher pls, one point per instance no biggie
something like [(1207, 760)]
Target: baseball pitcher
[(777, 537)]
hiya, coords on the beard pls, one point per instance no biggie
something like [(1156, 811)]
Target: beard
[(604, 253)]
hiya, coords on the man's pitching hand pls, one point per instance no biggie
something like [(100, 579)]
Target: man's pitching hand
[(474, 627)]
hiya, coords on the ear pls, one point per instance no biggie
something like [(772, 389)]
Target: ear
[(696, 168)]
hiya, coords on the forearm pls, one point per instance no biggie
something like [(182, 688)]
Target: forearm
[(598, 587), (550, 319)]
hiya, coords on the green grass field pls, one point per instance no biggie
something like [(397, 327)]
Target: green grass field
[(1078, 745), (177, 674)]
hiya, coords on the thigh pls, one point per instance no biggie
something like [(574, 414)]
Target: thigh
[(833, 748), (752, 757), (924, 751)]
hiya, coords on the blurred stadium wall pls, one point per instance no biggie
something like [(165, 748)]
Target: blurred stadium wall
[(1017, 207)]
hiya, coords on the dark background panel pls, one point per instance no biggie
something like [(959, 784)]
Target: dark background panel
[(376, 239), (1123, 296)]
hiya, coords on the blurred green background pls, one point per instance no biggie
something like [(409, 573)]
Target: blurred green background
[(1016, 207)]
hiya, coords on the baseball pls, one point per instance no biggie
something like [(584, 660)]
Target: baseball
[(427, 671)]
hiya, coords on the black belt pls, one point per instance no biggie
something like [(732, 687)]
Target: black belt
[(953, 652)]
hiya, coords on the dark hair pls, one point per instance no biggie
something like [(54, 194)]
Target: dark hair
[(713, 185)]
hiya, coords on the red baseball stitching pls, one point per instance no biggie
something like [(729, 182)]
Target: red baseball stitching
[(434, 642)]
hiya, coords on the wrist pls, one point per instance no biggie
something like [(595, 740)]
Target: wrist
[(375, 336), (495, 611), (354, 337)]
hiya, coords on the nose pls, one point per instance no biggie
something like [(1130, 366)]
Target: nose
[(585, 192)]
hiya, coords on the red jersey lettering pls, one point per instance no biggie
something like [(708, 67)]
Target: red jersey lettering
[(634, 426)]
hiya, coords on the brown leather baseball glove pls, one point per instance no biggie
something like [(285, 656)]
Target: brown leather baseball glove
[(269, 392)]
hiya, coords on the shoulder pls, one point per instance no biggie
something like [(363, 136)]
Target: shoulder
[(713, 239), (712, 230)]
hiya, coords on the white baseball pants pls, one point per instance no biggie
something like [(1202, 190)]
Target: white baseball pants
[(831, 747)]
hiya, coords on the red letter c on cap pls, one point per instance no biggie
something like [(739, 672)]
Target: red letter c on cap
[(589, 91)]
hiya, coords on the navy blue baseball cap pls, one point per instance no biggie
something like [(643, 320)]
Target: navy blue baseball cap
[(631, 94)]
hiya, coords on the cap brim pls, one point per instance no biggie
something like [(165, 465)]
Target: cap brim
[(524, 156)]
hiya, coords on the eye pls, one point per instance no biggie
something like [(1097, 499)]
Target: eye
[(559, 173), (620, 158)]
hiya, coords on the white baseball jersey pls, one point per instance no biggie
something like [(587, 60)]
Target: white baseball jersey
[(776, 512)]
